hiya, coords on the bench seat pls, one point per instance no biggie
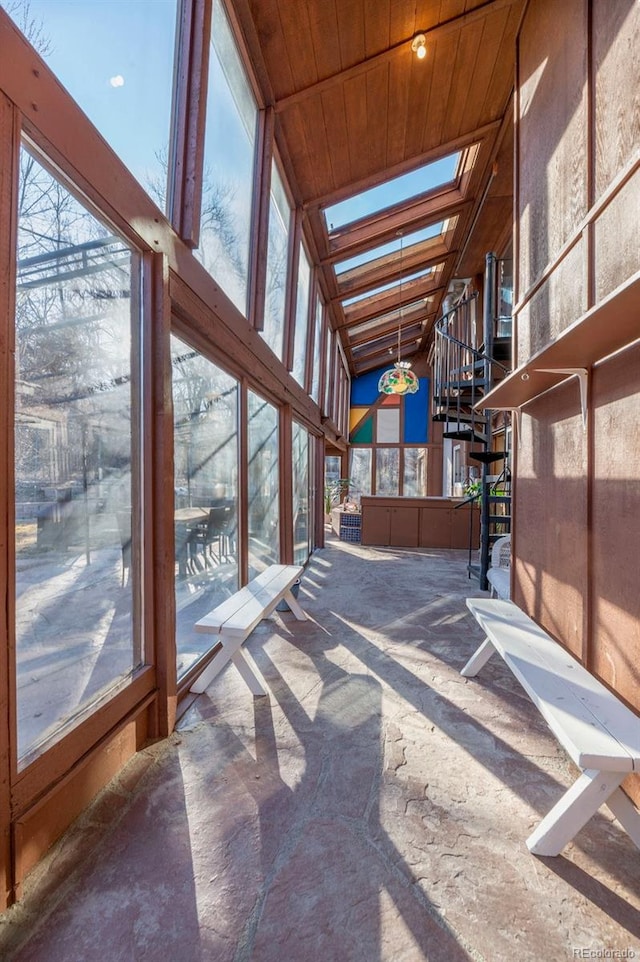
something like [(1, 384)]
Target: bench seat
[(233, 620), (599, 732)]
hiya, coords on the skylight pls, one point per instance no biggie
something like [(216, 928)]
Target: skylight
[(387, 287), (433, 230), (392, 192), (409, 333), (384, 319)]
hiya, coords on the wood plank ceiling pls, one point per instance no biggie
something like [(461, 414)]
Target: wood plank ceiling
[(354, 107)]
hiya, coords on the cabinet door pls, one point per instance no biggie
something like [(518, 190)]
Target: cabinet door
[(435, 526), (460, 523), (405, 523), (376, 525)]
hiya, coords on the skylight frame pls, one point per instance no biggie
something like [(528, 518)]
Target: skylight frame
[(396, 282), (430, 232), (397, 194)]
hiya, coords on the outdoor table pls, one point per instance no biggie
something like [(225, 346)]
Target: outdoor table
[(184, 520)]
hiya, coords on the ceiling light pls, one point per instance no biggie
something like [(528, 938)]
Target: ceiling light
[(419, 46), (399, 379)]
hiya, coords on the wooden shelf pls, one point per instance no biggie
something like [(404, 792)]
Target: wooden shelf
[(609, 326)]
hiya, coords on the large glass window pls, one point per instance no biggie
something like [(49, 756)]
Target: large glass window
[(76, 437), (263, 485), (277, 252), (317, 347), (302, 317), (328, 369), (205, 405), (359, 472), (225, 223), (415, 473), (116, 60), (387, 471), (301, 525)]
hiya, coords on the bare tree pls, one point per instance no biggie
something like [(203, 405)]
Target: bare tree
[(217, 225), (32, 28)]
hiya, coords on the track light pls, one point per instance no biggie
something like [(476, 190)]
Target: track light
[(419, 46)]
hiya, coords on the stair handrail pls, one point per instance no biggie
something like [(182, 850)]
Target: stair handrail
[(478, 355)]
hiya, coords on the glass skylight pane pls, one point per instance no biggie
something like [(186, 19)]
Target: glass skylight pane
[(433, 230), (387, 287), (392, 192), (370, 325), (382, 319), (389, 337)]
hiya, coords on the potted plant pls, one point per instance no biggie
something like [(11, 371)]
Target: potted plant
[(334, 491)]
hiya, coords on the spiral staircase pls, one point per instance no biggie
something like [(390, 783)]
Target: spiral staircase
[(471, 353)]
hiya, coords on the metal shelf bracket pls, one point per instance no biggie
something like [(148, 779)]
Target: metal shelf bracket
[(583, 377)]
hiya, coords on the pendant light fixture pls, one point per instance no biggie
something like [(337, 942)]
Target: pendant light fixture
[(399, 379)]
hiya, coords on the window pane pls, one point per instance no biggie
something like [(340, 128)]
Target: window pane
[(225, 222), (205, 409), (387, 470), (388, 429), (278, 245), (415, 472), (317, 346), (116, 60), (380, 288), (359, 472), (390, 247), (302, 317), (331, 467), (75, 431), (328, 376), (300, 444), (263, 483), (414, 183)]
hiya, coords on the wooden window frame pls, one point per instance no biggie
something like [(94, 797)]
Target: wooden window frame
[(188, 117)]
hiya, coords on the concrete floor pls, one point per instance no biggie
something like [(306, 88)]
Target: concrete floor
[(373, 809)]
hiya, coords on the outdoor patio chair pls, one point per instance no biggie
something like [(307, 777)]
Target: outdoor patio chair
[(203, 536)]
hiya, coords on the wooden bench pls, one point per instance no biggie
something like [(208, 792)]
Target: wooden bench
[(236, 617), (601, 735)]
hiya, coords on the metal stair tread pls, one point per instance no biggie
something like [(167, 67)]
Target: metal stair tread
[(464, 436)]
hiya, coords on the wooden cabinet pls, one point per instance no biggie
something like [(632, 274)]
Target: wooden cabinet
[(417, 522), (390, 525)]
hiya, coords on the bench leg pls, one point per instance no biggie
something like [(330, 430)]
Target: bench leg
[(247, 672), (214, 668), (626, 813), (295, 607), (574, 810), (229, 652), (479, 659)]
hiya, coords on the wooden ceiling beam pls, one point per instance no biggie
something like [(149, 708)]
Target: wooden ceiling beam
[(363, 66), (415, 317), (386, 353), (391, 268), (430, 209), (369, 308)]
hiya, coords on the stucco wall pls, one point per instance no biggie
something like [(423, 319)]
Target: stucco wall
[(577, 489)]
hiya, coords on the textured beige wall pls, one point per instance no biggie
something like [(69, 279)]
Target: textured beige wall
[(577, 491)]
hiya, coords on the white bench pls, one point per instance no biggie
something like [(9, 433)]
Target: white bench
[(601, 735), (499, 573), (235, 618)]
